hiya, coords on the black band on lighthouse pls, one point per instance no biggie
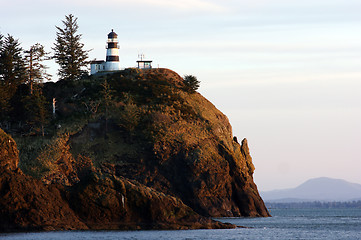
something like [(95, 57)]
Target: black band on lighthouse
[(112, 45), (112, 59)]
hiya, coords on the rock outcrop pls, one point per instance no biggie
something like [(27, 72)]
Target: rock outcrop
[(9, 154), (98, 201), (27, 203), (129, 150), (110, 202), (190, 152)]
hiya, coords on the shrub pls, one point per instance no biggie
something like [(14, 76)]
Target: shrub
[(191, 83)]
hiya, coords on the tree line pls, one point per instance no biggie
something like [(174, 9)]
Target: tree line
[(23, 71), (315, 204), (26, 67)]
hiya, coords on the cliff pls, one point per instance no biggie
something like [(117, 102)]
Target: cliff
[(98, 201), (135, 149)]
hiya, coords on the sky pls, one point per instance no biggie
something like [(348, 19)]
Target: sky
[(286, 73)]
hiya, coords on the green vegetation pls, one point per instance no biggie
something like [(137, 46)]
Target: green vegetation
[(149, 126), (121, 117), (191, 83), (12, 64), (141, 125), (36, 70), (19, 66), (37, 112), (38, 156), (114, 115), (12, 74), (69, 52)]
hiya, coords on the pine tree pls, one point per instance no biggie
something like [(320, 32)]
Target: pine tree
[(107, 101), (4, 103), (4, 100), (35, 106), (69, 53), (1, 50), (191, 83), (129, 117), (12, 64), (36, 70), (12, 72)]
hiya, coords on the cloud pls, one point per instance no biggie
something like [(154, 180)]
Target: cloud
[(179, 5)]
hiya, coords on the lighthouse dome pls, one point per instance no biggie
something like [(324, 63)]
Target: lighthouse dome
[(112, 34)]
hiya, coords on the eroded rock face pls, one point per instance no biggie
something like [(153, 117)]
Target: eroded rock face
[(26, 203), (98, 201), (212, 177), (167, 159), (110, 202), (9, 154), (198, 160), (218, 186), (183, 147)]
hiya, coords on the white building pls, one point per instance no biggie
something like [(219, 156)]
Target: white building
[(112, 58), (144, 64)]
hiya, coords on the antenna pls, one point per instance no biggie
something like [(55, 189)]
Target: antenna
[(141, 56)]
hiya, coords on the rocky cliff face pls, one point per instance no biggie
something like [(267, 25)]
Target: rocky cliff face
[(135, 150), (190, 152), (9, 153), (26, 203), (98, 201)]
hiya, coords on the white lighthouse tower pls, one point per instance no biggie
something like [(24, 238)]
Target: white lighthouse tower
[(112, 58)]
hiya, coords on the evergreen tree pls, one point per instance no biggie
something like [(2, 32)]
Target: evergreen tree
[(4, 101), (129, 116), (12, 64), (12, 72), (1, 49), (191, 84), (107, 101), (36, 70), (37, 112), (69, 52)]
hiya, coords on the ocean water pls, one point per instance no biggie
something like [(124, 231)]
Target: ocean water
[(285, 224)]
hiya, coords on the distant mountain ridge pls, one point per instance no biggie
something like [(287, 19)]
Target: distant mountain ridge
[(316, 189)]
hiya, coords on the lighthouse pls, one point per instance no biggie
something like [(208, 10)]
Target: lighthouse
[(112, 58)]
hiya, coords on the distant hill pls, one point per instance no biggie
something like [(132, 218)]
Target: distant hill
[(317, 189)]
